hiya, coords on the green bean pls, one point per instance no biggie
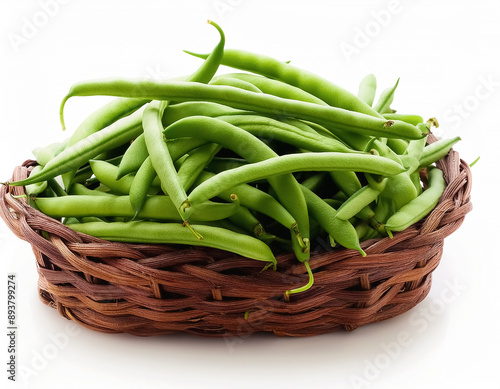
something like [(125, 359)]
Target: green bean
[(141, 185), (237, 83), (195, 163), (416, 148), (277, 88), (326, 161), (209, 67), (159, 153), (437, 150), (323, 89), (36, 188), (44, 154), (415, 210), (245, 220), (156, 207), (359, 200), (411, 119), (385, 100), (342, 119), (367, 89), (342, 231), (175, 233)]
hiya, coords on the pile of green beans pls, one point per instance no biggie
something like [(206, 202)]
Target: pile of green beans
[(266, 160)]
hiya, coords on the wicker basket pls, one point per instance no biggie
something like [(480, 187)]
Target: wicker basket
[(157, 289)]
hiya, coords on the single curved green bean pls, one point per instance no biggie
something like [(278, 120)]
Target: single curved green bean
[(141, 184), (326, 161), (385, 100), (195, 163), (176, 233), (211, 64), (159, 153), (437, 150), (415, 210), (367, 89), (411, 119), (359, 200), (245, 220), (342, 119), (38, 187)]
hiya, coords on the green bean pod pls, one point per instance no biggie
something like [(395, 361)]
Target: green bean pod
[(344, 120), (367, 89), (195, 163), (359, 200), (156, 207), (141, 186), (176, 233), (342, 231), (326, 161), (38, 187), (415, 210), (411, 119), (385, 100), (437, 150)]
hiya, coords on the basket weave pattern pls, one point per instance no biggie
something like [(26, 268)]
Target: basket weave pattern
[(149, 290)]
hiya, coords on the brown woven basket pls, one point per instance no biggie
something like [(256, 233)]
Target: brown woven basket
[(157, 289)]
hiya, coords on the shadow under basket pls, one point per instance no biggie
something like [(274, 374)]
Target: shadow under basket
[(149, 290)]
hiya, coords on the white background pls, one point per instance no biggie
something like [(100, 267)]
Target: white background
[(447, 54)]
